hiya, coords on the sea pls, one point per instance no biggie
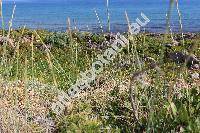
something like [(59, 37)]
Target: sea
[(91, 15)]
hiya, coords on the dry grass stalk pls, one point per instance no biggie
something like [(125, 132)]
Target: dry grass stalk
[(99, 21), (69, 28), (128, 22), (180, 21), (108, 15)]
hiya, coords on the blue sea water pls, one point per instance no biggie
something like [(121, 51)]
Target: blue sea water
[(52, 15)]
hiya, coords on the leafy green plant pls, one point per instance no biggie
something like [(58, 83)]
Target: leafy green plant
[(59, 40)]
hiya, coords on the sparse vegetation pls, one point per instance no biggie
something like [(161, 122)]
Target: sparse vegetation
[(165, 100), (151, 86)]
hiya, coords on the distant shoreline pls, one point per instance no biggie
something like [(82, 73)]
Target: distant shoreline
[(188, 33), (53, 16), (124, 29)]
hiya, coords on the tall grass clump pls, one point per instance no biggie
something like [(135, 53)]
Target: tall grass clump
[(140, 91)]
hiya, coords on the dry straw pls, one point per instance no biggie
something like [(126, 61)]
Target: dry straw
[(99, 21)]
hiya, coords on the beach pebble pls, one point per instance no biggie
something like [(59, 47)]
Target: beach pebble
[(6, 39), (168, 45), (180, 57), (189, 36), (195, 66), (175, 43), (195, 76)]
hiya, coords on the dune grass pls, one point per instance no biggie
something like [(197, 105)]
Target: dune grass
[(142, 90), (158, 96)]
